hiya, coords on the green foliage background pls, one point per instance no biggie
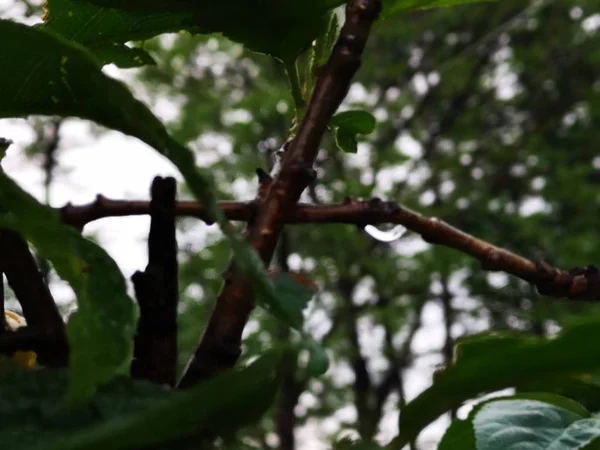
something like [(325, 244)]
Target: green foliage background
[(486, 118)]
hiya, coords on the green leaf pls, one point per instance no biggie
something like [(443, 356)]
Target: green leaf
[(129, 414), (219, 405), (104, 31), (345, 127), (494, 363), (318, 362), (291, 299), (45, 74), (393, 6), (581, 388), (460, 434), (123, 56), (532, 424), (282, 30), (101, 331)]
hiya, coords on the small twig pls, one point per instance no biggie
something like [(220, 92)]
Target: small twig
[(39, 309), (448, 348), (157, 292)]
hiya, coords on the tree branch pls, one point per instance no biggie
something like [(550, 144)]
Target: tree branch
[(579, 283), (39, 309), (222, 340), (26, 339), (157, 292)]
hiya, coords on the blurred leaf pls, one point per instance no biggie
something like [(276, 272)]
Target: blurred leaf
[(33, 414), (129, 414), (498, 363), (101, 331), (104, 31), (220, 405), (581, 388), (532, 424), (318, 362), (459, 435), (282, 30), (394, 6), (291, 299), (123, 56), (346, 125)]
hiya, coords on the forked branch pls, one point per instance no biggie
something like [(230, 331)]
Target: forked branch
[(221, 342)]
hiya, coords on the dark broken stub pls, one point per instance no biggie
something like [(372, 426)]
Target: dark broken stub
[(4, 144)]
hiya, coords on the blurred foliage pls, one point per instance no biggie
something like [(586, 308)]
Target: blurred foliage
[(485, 119)]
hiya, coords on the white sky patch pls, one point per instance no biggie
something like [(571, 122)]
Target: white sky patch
[(419, 84), (591, 24), (533, 205), (409, 146)]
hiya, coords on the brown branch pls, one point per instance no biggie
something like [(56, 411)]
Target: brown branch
[(26, 339), (553, 282), (217, 349), (222, 339), (39, 309), (157, 292)]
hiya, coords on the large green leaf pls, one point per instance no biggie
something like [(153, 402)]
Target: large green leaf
[(45, 74), (101, 331), (492, 363), (534, 425), (104, 30), (463, 433), (280, 29), (126, 414), (584, 389)]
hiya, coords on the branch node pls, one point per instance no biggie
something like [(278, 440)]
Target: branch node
[(491, 260)]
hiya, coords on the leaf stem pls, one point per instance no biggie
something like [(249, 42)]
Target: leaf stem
[(294, 77)]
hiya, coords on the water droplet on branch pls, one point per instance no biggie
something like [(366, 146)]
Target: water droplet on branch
[(390, 235)]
